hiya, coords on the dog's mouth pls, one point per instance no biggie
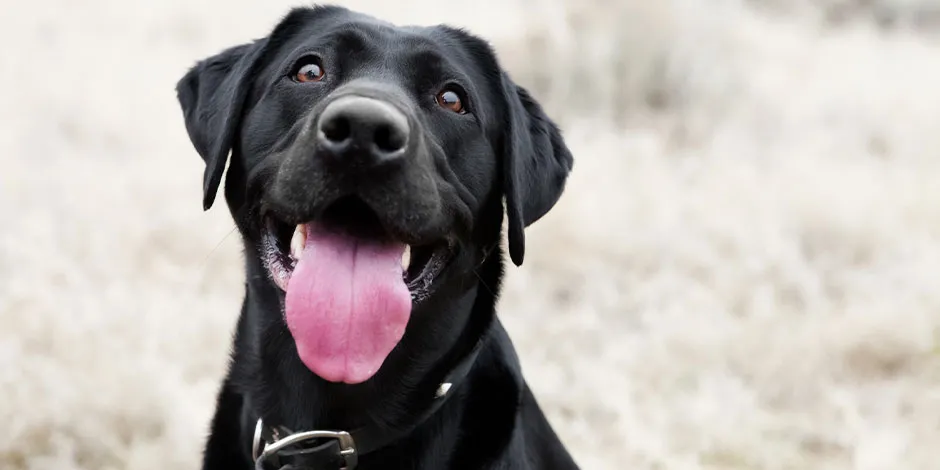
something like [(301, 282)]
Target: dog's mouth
[(349, 286), (283, 245)]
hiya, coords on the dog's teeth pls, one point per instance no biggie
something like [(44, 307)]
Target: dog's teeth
[(406, 259), (298, 241)]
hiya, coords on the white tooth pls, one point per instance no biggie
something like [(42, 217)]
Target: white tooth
[(298, 241), (406, 259)]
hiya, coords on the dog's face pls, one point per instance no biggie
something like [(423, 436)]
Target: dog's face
[(369, 164)]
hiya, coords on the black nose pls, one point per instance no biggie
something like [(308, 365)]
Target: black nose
[(363, 130)]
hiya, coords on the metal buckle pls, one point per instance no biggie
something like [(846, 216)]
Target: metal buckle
[(261, 449), (257, 444)]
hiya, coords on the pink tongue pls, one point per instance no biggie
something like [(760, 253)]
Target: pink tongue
[(347, 305)]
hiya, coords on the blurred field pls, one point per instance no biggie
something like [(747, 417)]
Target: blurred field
[(743, 274)]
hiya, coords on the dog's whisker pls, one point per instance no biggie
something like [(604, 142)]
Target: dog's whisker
[(205, 261), (483, 282)]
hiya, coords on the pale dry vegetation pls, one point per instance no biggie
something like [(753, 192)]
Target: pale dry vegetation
[(743, 274)]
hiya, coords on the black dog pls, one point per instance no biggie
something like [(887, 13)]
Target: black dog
[(368, 168)]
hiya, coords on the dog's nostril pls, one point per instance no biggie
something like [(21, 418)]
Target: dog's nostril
[(389, 138), (337, 129)]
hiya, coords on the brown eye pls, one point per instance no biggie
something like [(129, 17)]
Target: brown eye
[(449, 99), (311, 72)]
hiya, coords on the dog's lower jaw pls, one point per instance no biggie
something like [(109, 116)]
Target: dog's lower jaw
[(287, 385)]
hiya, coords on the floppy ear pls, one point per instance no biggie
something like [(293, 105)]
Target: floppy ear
[(212, 95), (536, 163)]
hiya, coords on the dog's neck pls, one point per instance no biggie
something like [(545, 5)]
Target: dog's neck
[(280, 389)]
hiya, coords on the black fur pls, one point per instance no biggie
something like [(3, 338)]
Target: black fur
[(450, 186)]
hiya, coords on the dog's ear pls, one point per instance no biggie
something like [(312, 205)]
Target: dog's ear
[(536, 163), (212, 95)]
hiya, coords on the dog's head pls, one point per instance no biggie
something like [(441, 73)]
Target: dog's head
[(368, 167)]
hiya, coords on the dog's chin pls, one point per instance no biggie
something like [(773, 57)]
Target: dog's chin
[(282, 245)]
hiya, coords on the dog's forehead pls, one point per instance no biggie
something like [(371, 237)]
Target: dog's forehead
[(416, 58), (360, 33)]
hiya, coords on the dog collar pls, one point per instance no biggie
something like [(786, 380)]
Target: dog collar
[(276, 447)]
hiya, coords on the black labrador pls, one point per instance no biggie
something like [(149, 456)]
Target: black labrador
[(369, 164)]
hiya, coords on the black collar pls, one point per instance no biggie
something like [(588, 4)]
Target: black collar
[(276, 447)]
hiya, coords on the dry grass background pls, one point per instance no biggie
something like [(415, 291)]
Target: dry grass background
[(743, 274)]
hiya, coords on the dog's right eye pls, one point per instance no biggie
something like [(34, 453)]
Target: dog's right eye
[(450, 99), (308, 69)]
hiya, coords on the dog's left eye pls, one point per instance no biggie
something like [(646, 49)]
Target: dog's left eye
[(308, 69), (449, 99)]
